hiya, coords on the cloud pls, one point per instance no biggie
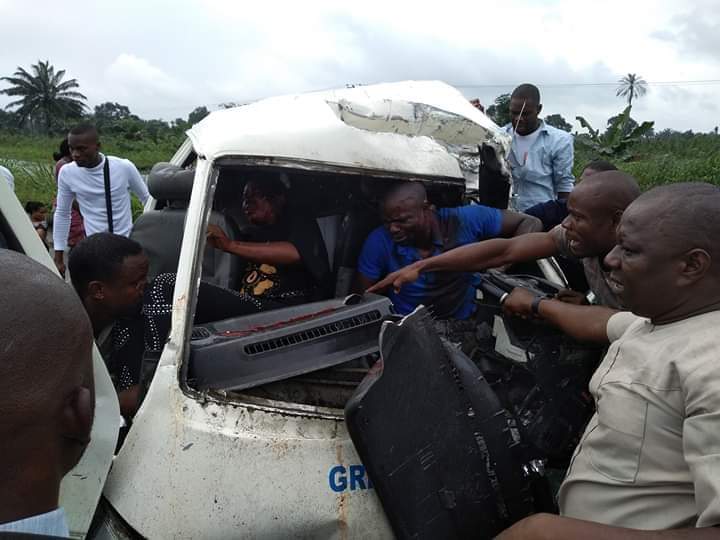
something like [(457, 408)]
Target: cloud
[(696, 32), (163, 59), (136, 78)]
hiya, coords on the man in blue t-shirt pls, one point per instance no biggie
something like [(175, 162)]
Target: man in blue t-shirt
[(415, 230)]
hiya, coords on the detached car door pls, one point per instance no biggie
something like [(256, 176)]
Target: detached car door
[(81, 488)]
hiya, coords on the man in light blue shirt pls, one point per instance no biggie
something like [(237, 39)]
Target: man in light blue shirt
[(541, 157)]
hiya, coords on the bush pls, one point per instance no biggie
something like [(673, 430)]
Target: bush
[(33, 181), (668, 157)]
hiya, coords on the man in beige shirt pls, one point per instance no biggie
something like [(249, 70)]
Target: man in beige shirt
[(650, 457)]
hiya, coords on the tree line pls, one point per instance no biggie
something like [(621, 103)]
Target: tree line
[(47, 103)]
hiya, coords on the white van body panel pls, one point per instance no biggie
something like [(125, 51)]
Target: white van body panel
[(422, 128)]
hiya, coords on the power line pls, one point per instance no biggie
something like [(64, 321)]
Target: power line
[(563, 85), (699, 82)]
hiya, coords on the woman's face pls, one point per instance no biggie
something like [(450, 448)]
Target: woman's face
[(257, 207)]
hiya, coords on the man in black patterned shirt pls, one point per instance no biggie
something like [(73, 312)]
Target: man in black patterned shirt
[(109, 273)]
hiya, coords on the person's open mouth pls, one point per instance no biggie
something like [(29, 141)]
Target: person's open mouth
[(616, 285), (574, 242)]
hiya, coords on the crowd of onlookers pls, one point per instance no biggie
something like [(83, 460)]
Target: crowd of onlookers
[(650, 456)]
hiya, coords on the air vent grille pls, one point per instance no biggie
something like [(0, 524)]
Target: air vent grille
[(312, 334)]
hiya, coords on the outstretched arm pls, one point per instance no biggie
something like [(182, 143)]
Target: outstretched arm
[(550, 527), (584, 323), (517, 223), (474, 257)]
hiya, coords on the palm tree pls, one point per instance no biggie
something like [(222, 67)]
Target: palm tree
[(44, 94), (631, 86)]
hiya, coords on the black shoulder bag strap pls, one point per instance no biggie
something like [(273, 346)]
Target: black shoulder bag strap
[(108, 200)]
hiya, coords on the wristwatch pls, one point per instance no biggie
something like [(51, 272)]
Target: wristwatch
[(535, 306)]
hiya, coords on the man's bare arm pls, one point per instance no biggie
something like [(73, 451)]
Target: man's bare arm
[(584, 323), (517, 223), (550, 527), (474, 257)]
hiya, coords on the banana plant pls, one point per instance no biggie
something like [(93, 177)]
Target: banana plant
[(617, 140)]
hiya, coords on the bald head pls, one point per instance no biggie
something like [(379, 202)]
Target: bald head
[(665, 265), (412, 192), (608, 191), (45, 354), (684, 216)]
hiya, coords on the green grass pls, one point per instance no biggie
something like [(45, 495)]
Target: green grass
[(660, 160), (31, 163), (143, 153)]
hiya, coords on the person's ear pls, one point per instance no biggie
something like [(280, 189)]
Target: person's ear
[(77, 417), (99, 144), (693, 266), (616, 217), (96, 290), (539, 108)]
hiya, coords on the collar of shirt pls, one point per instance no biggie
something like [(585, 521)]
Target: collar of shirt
[(51, 523), (104, 341), (100, 165), (542, 127)]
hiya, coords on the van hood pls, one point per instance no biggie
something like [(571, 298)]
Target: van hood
[(424, 128)]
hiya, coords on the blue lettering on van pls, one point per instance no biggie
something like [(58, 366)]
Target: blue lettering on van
[(353, 477)]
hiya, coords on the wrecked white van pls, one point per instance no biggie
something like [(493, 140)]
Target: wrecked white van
[(241, 431), (245, 437)]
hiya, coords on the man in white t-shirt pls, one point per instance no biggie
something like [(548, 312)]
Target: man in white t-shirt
[(84, 181), (47, 396), (541, 157), (650, 457), (7, 175)]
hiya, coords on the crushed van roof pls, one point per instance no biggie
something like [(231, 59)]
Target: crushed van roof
[(424, 128)]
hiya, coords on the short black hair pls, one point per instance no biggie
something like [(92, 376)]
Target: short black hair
[(64, 150), (99, 257), (33, 206), (600, 165), (84, 129), (406, 190), (528, 92)]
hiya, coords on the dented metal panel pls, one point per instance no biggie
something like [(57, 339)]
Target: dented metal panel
[(424, 128), (218, 470), (195, 466)]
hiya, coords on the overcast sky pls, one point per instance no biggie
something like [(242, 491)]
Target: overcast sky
[(164, 58)]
